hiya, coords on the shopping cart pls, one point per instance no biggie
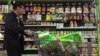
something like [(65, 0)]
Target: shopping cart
[(66, 45)]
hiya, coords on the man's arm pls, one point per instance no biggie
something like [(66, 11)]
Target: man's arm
[(12, 24)]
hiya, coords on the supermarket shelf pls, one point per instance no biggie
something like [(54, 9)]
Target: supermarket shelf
[(64, 28), (1, 48), (95, 45), (29, 40), (77, 28), (37, 26), (24, 40), (92, 54), (47, 1), (89, 37), (32, 49), (3, 12), (1, 31), (50, 0), (59, 29), (1, 39), (50, 21), (87, 47), (2, 23)]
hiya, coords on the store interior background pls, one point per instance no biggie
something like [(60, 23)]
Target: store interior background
[(60, 17)]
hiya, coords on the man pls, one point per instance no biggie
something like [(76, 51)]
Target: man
[(14, 31)]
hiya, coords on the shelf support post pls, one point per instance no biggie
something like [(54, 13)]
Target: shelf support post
[(98, 24)]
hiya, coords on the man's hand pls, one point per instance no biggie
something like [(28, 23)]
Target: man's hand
[(28, 32)]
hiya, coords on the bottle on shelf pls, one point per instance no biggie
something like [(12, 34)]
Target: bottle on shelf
[(27, 7), (6, 8), (43, 8), (38, 17), (39, 8), (30, 7), (57, 8), (29, 18), (54, 17), (34, 16), (35, 8), (48, 7), (1, 17), (0, 8), (48, 16)]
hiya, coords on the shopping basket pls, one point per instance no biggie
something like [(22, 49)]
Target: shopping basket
[(66, 45)]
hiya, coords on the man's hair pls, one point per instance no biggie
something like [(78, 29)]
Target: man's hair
[(17, 4)]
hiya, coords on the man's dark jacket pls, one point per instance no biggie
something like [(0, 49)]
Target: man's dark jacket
[(14, 32)]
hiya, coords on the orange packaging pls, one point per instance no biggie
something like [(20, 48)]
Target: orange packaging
[(35, 8), (39, 8)]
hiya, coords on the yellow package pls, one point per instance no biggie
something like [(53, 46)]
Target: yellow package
[(1, 18)]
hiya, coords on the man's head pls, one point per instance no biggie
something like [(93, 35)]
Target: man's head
[(19, 8)]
